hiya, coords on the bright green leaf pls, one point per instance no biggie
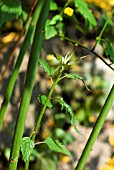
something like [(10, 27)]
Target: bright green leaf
[(56, 146), (50, 32), (9, 10), (42, 99), (53, 6), (68, 109), (49, 70), (85, 11), (73, 76), (76, 76), (61, 28), (56, 19), (27, 146)]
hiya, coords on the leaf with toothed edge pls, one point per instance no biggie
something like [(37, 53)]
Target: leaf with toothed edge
[(56, 146), (68, 109), (49, 70)]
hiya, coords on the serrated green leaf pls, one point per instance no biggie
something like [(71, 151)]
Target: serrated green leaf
[(68, 109), (42, 99), (85, 11), (49, 70), (53, 6), (76, 76), (73, 76), (27, 146), (9, 10), (56, 146), (109, 50)]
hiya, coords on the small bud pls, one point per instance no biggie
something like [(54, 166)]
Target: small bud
[(68, 11)]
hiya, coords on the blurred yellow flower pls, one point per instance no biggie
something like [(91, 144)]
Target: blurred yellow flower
[(111, 140), (92, 119), (109, 165), (68, 11), (105, 5)]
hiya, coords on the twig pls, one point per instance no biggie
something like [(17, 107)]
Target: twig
[(17, 42), (87, 48)]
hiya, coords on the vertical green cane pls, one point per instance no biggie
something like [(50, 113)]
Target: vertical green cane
[(31, 72)]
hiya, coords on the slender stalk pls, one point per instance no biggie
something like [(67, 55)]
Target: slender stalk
[(24, 47), (97, 127), (102, 30), (87, 48), (46, 103), (29, 82), (42, 113)]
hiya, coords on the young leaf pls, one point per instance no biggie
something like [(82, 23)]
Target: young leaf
[(50, 32), (73, 76), (85, 11), (56, 19), (56, 146), (76, 76), (49, 70), (27, 146), (109, 50), (53, 6), (68, 109), (9, 10), (42, 99)]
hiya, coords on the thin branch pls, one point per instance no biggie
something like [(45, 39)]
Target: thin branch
[(98, 39), (87, 48), (17, 42), (38, 143)]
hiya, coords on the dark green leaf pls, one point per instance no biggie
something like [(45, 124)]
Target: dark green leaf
[(9, 10), (27, 146), (49, 70), (42, 99), (109, 50), (68, 109), (85, 11), (56, 146)]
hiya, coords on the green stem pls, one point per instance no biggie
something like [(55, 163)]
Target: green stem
[(19, 61), (29, 82), (87, 48), (47, 101), (97, 127), (98, 39), (45, 105), (42, 112)]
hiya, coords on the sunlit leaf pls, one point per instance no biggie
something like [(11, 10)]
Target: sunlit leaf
[(69, 110), (85, 11), (53, 6), (27, 146), (50, 32), (42, 99), (76, 76), (56, 146), (49, 70), (56, 19)]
